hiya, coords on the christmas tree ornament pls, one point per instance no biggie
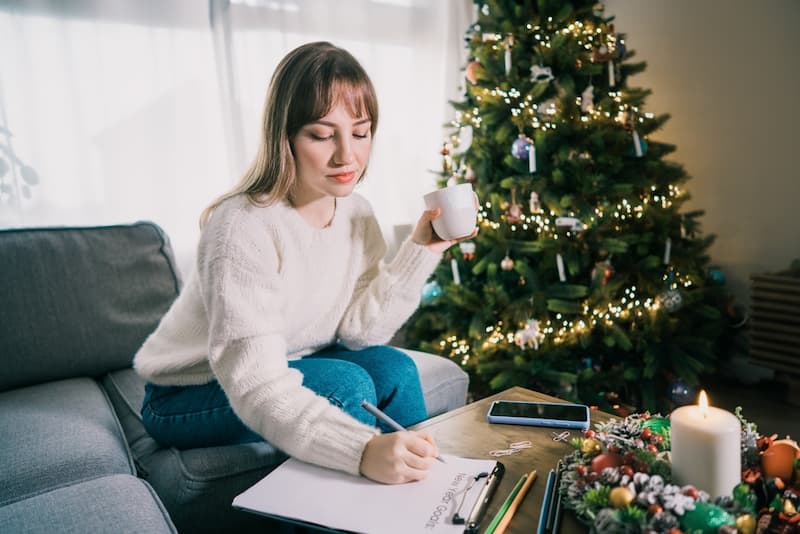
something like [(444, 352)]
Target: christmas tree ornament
[(456, 275), (507, 263), (514, 213), (509, 42), (601, 54), (467, 250), (591, 447), (523, 149), (430, 291), (541, 74), (612, 78), (667, 251), (716, 276), (570, 224), (706, 518), (671, 300), (778, 460), (639, 145), (621, 50), (587, 99), (602, 272), (533, 203), (474, 69), (620, 497), (447, 160), (562, 273), (681, 393), (529, 336), (490, 37)]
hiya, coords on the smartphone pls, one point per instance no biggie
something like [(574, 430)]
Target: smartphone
[(539, 414)]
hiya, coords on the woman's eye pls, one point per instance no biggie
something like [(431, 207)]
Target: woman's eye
[(361, 135), (317, 137)]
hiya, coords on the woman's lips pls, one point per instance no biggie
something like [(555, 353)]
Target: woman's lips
[(344, 177)]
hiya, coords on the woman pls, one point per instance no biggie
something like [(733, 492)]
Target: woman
[(279, 332)]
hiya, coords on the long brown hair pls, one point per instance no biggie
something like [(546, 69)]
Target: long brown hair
[(306, 85)]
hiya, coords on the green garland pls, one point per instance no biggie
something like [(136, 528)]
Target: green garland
[(619, 480)]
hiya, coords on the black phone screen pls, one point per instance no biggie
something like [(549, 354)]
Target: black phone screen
[(536, 410)]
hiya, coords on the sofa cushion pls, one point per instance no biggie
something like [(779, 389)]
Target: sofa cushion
[(115, 504), (81, 299), (58, 432)]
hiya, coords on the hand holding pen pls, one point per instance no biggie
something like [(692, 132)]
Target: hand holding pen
[(398, 457)]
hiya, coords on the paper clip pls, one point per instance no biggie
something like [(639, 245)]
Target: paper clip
[(513, 448), (560, 436)]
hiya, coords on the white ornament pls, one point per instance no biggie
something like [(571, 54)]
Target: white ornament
[(530, 336), (570, 223), (541, 74), (456, 275), (533, 203), (562, 272), (587, 99)]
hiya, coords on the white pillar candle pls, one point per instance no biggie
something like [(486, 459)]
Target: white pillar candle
[(706, 448)]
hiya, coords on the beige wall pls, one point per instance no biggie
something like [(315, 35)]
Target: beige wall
[(728, 73)]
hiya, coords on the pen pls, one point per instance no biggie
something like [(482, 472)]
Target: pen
[(485, 496), (548, 495), (556, 515), (388, 420), (509, 515), (551, 512), (506, 504)]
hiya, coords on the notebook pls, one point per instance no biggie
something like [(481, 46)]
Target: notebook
[(308, 494)]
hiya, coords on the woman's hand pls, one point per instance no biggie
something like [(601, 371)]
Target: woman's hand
[(399, 457), (424, 235)]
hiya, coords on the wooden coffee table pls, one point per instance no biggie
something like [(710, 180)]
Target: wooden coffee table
[(465, 432)]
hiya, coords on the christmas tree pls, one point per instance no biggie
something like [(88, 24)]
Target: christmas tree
[(586, 280)]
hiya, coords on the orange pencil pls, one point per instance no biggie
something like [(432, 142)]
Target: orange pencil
[(501, 526)]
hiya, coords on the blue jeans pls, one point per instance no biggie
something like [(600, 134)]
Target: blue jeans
[(201, 416)]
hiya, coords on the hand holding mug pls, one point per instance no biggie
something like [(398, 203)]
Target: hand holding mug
[(450, 217)]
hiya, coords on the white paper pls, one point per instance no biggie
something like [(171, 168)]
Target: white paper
[(313, 494)]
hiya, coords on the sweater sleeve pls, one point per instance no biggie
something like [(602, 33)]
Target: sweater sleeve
[(385, 295), (239, 270)]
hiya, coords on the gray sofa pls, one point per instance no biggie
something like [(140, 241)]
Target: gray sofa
[(75, 304)]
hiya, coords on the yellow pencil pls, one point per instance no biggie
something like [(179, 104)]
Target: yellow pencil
[(501, 526)]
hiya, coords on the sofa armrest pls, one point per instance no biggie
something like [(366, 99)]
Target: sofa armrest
[(444, 383)]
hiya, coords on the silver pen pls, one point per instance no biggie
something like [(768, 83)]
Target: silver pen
[(388, 420)]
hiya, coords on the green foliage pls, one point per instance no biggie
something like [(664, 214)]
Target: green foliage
[(607, 332)]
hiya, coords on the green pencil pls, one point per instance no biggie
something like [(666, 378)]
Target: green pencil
[(500, 513)]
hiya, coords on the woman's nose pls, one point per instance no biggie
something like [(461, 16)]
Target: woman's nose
[(344, 152)]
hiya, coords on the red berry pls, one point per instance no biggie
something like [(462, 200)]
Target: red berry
[(589, 433), (652, 448), (647, 433), (692, 492), (655, 509), (627, 470)]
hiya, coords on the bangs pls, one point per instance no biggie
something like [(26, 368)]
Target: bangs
[(356, 98), (333, 78)]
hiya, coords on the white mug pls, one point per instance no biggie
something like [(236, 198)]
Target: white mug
[(459, 211)]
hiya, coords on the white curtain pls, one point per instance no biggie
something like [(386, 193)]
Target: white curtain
[(115, 111)]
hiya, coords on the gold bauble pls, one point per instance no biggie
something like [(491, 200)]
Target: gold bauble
[(591, 446), (746, 524), (620, 497)]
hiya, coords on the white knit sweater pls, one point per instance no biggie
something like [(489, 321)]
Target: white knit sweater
[(268, 288)]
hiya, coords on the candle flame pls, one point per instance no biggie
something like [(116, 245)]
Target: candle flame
[(702, 401)]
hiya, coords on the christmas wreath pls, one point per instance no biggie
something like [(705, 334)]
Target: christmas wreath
[(618, 480)]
